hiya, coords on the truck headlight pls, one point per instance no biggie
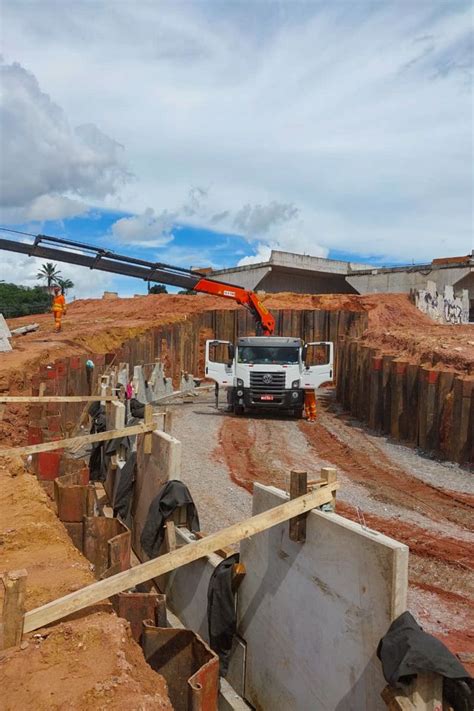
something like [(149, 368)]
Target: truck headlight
[(294, 394), (240, 383), (240, 393), (295, 384)]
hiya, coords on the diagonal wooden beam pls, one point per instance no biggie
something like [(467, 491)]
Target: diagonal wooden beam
[(73, 441), (56, 610), (43, 399)]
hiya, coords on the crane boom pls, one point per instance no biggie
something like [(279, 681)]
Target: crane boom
[(64, 250)]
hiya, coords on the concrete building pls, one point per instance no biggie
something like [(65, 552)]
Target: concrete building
[(298, 273), (303, 274)]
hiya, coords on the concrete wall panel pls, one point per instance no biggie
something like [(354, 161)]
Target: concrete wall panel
[(153, 470), (313, 614)]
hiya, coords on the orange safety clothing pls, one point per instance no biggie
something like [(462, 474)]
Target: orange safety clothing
[(59, 309), (310, 405)]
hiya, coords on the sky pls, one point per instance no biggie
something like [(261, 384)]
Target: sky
[(207, 133)]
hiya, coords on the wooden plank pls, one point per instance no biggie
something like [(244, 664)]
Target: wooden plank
[(425, 693), (329, 474), (73, 441), (13, 607), (148, 419), (103, 589), (42, 399), (298, 487), (221, 552)]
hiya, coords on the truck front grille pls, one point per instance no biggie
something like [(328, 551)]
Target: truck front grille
[(267, 384)]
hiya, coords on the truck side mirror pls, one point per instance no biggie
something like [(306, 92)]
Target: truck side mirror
[(231, 351), (304, 353)]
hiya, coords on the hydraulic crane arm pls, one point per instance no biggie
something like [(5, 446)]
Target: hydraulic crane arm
[(85, 255)]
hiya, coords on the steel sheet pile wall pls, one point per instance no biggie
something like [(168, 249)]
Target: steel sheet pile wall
[(423, 406), (180, 347)]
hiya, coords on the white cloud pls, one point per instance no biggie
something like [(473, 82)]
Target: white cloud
[(20, 269), (43, 157), (262, 255), (53, 207), (357, 114), (147, 230)]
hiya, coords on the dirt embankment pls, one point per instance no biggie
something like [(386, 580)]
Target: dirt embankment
[(94, 325), (90, 662)]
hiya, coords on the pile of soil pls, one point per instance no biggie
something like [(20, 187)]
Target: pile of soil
[(90, 663), (32, 537)]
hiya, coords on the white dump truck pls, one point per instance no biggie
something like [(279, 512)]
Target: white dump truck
[(269, 372)]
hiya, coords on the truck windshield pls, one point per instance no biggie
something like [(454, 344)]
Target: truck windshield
[(260, 355)]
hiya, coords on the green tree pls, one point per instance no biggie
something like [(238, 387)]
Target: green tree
[(22, 300), (49, 272), (157, 289), (65, 284)]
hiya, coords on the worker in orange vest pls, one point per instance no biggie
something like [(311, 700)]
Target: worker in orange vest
[(58, 308), (310, 405)]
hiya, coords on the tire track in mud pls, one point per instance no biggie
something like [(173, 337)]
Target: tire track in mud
[(256, 450), (365, 464), (420, 541)]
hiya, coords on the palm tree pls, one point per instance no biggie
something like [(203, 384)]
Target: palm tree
[(50, 272), (65, 284)]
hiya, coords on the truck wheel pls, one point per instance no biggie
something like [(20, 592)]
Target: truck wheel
[(298, 413), (239, 409)]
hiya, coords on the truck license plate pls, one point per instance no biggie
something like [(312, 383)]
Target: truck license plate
[(266, 397)]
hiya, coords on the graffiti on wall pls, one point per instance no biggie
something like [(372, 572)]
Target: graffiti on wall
[(443, 307)]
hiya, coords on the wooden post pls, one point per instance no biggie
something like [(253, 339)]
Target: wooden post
[(238, 574), (298, 487), (42, 389), (13, 607), (167, 421), (170, 536), (147, 442), (425, 693), (330, 476)]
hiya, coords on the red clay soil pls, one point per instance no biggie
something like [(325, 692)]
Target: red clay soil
[(95, 325), (32, 537), (90, 662), (367, 465), (395, 325), (250, 448)]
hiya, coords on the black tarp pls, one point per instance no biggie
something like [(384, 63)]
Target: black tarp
[(221, 615), (125, 486), (172, 495), (407, 650), (96, 462)]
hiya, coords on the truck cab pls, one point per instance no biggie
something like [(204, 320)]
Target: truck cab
[(269, 372)]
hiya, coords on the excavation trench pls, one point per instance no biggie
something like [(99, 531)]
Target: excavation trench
[(261, 449)]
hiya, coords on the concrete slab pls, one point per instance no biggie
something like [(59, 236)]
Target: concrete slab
[(153, 470), (4, 330), (5, 344), (312, 614)]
